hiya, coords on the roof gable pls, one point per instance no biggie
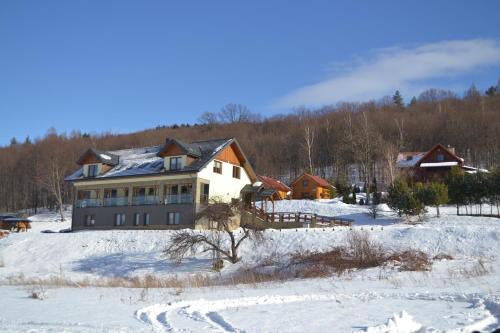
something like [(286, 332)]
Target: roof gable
[(269, 182), (431, 155), (177, 147), (93, 155), (315, 179)]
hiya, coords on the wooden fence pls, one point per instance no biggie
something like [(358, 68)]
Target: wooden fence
[(298, 219)]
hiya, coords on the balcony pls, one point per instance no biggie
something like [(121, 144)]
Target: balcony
[(146, 200), (84, 203), (111, 202), (178, 198)]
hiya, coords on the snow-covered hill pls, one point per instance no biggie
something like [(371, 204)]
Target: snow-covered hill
[(448, 297)]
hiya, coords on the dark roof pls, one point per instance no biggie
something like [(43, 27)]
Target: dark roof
[(101, 156), (145, 161)]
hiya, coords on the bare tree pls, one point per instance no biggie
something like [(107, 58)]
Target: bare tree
[(236, 113), (208, 118), (218, 216)]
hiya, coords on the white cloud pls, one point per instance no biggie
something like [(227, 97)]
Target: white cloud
[(397, 68)]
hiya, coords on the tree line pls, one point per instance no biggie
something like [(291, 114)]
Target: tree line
[(326, 141)]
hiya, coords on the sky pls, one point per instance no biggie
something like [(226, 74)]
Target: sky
[(123, 66)]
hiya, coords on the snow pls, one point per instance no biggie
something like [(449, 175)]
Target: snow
[(106, 157), (446, 299), (437, 164)]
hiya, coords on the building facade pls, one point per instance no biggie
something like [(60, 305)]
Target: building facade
[(160, 187)]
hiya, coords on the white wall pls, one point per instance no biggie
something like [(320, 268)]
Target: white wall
[(224, 186)]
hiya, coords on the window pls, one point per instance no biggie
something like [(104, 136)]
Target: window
[(92, 170), (204, 193), (173, 218), (236, 172), (440, 157), (89, 220), (137, 219), (119, 219), (146, 218), (218, 167), (175, 163), (305, 183)]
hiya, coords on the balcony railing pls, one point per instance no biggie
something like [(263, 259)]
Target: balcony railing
[(178, 198), (146, 200), (121, 201), (84, 203)]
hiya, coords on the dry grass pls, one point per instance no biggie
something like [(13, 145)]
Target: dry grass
[(360, 252), (480, 268), (2, 263), (442, 256)]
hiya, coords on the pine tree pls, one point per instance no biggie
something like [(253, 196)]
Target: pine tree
[(398, 99), (413, 101)]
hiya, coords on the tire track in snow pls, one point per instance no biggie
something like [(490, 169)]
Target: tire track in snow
[(207, 312)]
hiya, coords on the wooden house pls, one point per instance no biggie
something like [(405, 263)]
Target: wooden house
[(432, 165), (308, 186), (281, 190)]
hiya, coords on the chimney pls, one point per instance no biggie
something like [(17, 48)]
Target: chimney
[(451, 149)]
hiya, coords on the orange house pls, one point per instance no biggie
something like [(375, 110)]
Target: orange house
[(308, 186)]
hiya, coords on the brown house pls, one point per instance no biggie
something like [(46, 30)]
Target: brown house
[(308, 186), (432, 165), (281, 190)]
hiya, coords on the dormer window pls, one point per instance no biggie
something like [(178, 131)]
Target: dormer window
[(92, 170), (175, 163), (440, 157)]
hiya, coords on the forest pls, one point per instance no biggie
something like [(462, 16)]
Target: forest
[(326, 141)]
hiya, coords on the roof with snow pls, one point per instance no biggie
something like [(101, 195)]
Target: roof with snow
[(273, 183), (146, 161), (409, 159), (101, 156)]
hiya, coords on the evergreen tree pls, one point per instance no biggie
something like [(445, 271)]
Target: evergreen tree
[(413, 101), (456, 187), (491, 91), (398, 196), (398, 99)]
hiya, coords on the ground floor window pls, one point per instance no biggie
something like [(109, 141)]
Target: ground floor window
[(137, 219), (174, 218), (146, 218), (119, 219), (89, 220)]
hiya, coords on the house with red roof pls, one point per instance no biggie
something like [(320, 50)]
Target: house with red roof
[(281, 191), (308, 186), (432, 165)]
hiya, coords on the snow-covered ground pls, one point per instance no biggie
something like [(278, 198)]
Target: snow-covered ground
[(455, 296)]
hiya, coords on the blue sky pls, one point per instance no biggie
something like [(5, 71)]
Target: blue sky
[(122, 66)]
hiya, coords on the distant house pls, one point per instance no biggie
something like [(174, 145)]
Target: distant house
[(432, 165), (308, 186), (281, 190), (159, 187)]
